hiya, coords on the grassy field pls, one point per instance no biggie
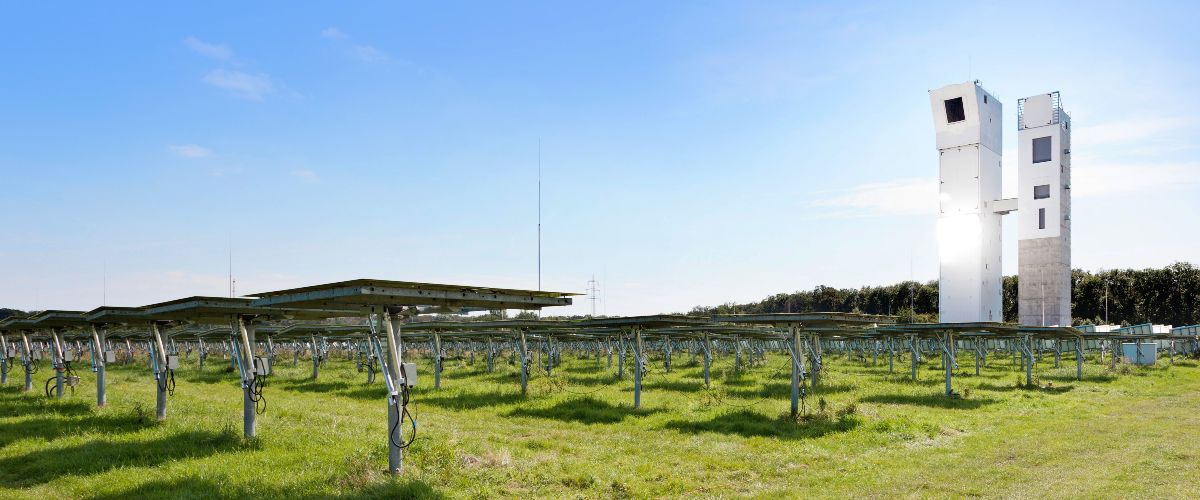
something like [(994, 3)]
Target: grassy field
[(865, 433)]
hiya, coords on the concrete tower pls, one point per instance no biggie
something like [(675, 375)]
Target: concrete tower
[(968, 123), (1044, 215)]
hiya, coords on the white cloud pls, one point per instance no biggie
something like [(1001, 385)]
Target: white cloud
[(361, 51), (1125, 131), (206, 49), (368, 53), (241, 84), (912, 196), (306, 175), (332, 33), (189, 150), (1109, 179)]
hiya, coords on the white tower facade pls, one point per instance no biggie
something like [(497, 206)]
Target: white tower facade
[(969, 128), (1044, 213)]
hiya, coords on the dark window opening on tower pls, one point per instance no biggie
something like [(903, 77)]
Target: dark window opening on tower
[(1041, 192), (1041, 218), (1041, 149), (954, 110)]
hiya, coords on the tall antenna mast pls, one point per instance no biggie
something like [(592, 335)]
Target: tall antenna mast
[(231, 282), (539, 235), (592, 289)]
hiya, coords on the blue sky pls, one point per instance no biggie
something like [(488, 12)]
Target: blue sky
[(692, 153)]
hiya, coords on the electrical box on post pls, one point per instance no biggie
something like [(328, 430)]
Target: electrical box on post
[(172, 361), (37, 355), (409, 372), (262, 366), (110, 357), (68, 356)]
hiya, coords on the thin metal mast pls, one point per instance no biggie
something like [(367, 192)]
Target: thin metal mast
[(539, 234), (231, 286), (592, 296)]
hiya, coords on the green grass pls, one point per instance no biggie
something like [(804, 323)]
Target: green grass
[(864, 433)]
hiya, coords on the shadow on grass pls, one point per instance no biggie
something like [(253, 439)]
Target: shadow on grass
[(929, 400), (99, 456), (189, 487), (784, 389), (1031, 388), (395, 489), (470, 401), (14, 403), (747, 423), (601, 378), (357, 390), (674, 385), (590, 369), (586, 410), (195, 487), (210, 375), (50, 428)]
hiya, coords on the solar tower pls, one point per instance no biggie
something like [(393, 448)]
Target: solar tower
[(968, 123), (1044, 214)]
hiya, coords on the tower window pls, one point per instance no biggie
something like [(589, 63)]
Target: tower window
[(954, 110), (1041, 149), (1041, 218), (1041, 192)]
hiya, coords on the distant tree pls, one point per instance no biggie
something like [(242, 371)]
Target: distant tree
[(1170, 295)]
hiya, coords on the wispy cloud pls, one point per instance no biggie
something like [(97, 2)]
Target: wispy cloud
[(306, 175), (244, 85), (361, 51), (1115, 178), (332, 33), (206, 49), (189, 150), (912, 196), (368, 53), (1126, 131)]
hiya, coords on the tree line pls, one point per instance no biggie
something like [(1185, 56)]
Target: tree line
[(1168, 295)]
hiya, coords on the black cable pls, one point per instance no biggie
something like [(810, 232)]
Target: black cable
[(401, 413), (256, 394)]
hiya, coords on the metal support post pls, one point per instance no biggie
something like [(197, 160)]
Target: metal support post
[(916, 355), (639, 368), (99, 339), (159, 359), (1079, 359), (524, 348), (797, 368), (948, 352), (396, 405), (3, 360), (27, 361), (245, 332), (815, 358), (437, 360)]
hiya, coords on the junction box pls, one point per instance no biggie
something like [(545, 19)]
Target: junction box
[(408, 371)]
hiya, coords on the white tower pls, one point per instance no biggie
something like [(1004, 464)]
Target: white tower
[(1044, 215), (968, 123)]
